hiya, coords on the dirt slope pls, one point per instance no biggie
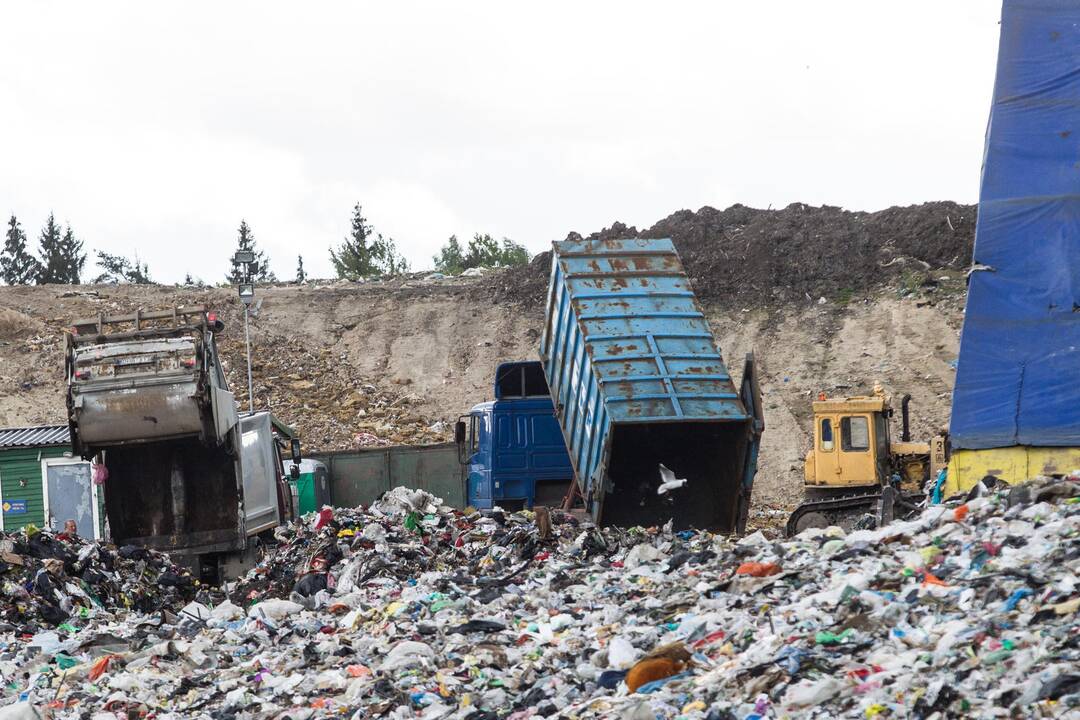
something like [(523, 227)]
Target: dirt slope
[(398, 361)]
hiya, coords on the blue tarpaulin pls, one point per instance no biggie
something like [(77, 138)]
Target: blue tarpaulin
[(1018, 377)]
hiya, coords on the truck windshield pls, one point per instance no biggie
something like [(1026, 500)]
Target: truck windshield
[(525, 380)]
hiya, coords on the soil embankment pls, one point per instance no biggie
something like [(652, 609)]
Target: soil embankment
[(829, 300)]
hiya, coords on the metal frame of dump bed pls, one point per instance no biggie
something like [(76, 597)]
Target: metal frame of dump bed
[(637, 381), (92, 330)]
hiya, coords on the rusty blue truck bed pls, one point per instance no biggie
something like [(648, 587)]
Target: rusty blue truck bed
[(637, 381)]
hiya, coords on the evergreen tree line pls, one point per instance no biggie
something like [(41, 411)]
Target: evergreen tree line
[(364, 253), (59, 259)]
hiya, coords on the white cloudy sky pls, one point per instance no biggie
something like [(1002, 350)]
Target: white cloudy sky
[(156, 127)]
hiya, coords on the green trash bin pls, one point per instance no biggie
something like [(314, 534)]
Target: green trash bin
[(312, 488)]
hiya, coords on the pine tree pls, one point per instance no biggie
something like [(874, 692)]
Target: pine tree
[(52, 260), (365, 253), (246, 241), (62, 258), (353, 260), (73, 257), (17, 265), (301, 274)]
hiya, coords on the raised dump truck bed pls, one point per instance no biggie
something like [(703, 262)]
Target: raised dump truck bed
[(637, 381)]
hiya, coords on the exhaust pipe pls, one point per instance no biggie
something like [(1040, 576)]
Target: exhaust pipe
[(905, 429)]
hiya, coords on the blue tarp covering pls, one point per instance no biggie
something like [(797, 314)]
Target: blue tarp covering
[(1018, 378)]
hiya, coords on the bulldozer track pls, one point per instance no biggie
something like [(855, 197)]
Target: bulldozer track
[(830, 507)]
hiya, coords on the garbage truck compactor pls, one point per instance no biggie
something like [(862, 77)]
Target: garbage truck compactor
[(638, 382), (147, 397)]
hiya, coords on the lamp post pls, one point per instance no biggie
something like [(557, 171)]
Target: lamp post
[(246, 289)]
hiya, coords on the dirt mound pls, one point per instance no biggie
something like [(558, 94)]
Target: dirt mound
[(15, 325), (749, 257)]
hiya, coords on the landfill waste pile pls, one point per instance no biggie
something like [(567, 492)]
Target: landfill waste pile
[(55, 582), (409, 609)]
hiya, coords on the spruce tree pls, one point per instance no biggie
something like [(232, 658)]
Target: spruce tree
[(365, 253), (74, 258), (352, 260), (301, 274), (53, 267), (246, 241), (17, 265)]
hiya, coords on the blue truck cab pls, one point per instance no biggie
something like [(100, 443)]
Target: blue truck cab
[(513, 446)]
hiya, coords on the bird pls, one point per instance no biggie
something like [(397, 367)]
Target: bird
[(668, 481)]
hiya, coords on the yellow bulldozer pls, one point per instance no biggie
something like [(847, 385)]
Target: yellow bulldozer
[(855, 474)]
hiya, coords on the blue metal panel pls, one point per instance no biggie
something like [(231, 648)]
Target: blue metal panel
[(625, 342), (523, 448), (1018, 378)]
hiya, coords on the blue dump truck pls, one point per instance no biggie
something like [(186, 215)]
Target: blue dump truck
[(513, 446), (633, 382)]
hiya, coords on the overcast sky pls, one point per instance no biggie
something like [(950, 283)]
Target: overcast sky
[(156, 127)]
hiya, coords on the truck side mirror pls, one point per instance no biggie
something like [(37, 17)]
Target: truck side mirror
[(294, 472), (294, 445), (459, 432)]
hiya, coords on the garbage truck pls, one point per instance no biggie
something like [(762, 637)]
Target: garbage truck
[(148, 401), (512, 446), (650, 416)]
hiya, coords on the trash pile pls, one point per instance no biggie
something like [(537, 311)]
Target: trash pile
[(409, 609), (56, 585)]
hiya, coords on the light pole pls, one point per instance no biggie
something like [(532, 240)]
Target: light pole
[(246, 259)]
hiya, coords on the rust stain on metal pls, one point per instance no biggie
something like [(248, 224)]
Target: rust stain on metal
[(619, 265), (594, 266), (642, 263), (617, 349)]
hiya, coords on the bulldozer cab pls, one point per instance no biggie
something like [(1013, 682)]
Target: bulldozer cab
[(851, 443)]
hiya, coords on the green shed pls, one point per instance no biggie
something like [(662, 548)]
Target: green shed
[(41, 483)]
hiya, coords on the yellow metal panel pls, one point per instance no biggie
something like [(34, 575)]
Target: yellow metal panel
[(845, 406), (1012, 464), (910, 448)]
